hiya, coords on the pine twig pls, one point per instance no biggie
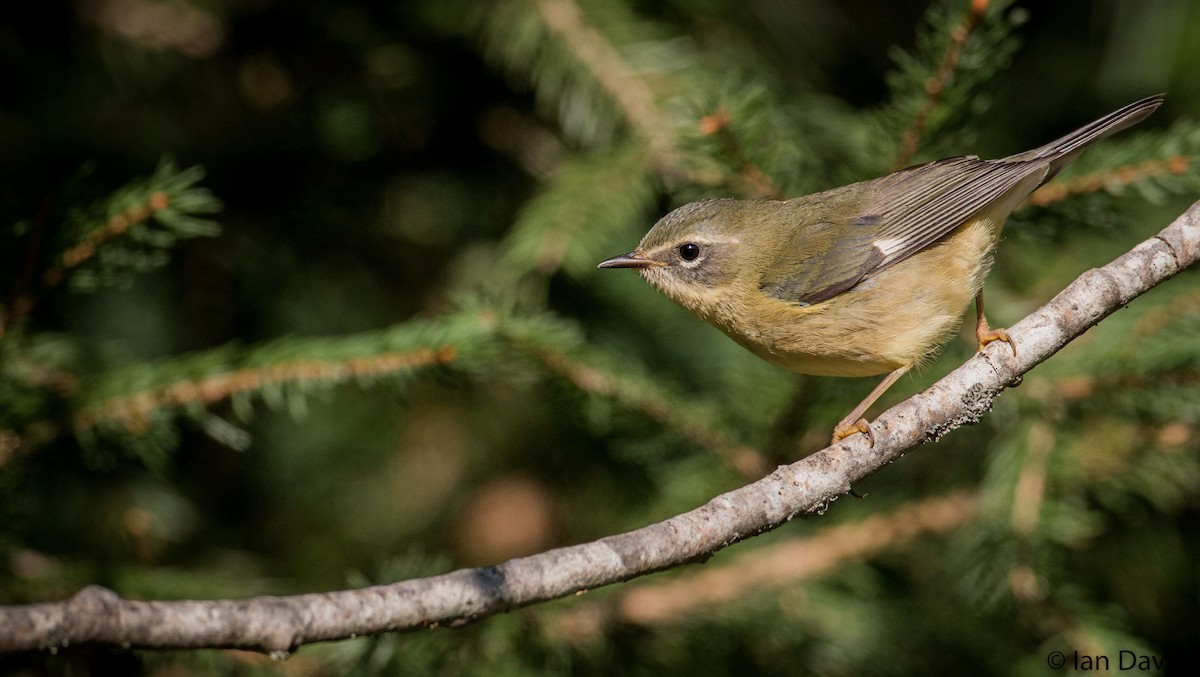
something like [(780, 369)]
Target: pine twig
[(280, 624), (757, 182), (794, 560), (937, 83), (781, 564), (1153, 320), (627, 90), (746, 460), (10, 442), (787, 424), (115, 226), (1030, 489), (1112, 178), (22, 300), (1029, 494), (133, 411)]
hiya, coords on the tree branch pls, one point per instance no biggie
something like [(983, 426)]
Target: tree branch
[(793, 560), (755, 181), (783, 563), (118, 225), (807, 487), (1108, 180), (133, 410), (656, 405), (627, 89), (910, 141)]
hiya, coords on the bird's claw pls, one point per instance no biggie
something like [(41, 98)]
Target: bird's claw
[(986, 336), (845, 429)]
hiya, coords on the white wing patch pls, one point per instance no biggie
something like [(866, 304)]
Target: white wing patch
[(889, 246)]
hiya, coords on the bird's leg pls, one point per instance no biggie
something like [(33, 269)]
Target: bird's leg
[(854, 421), (986, 335)]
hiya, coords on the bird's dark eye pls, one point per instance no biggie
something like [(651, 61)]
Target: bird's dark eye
[(689, 251)]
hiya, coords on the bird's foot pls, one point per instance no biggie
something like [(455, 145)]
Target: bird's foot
[(846, 429), (986, 335)]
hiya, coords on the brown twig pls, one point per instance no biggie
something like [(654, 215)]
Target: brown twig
[(1029, 491), (782, 564), (21, 299), (10, 441), (86, 248), (936, 84), (746, 460), (1029, 494), (133, 410), (756, 182), (627, 90), (808, 487), (1153, 320), (789, 422), (1109, 179), (794, 560)]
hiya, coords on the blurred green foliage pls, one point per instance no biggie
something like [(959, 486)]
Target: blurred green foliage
[(395, 358)]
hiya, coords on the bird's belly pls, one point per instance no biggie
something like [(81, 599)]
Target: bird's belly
[(897, 318)]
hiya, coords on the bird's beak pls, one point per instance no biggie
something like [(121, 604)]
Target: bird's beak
[(630, 260)]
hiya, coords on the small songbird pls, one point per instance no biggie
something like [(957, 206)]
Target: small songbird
[(866, 279)]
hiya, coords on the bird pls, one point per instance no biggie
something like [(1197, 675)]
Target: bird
[(866, 279)]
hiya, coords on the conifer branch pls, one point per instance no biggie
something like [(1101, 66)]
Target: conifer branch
[(117, 225), (774, 566), (133, 411), (1109, 179), (910, 141), (21, 300), (280, 624), (10, 442), (743, 458), (789, 422), (1029, 492), (567, 225), (170, 197), (794, 560), (1155, 319), (758, 184), (626, 89)]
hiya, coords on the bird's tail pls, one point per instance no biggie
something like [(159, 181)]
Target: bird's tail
[(1064, 150)]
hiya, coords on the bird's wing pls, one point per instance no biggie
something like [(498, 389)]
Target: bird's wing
[(895, 217), (879, 223)]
